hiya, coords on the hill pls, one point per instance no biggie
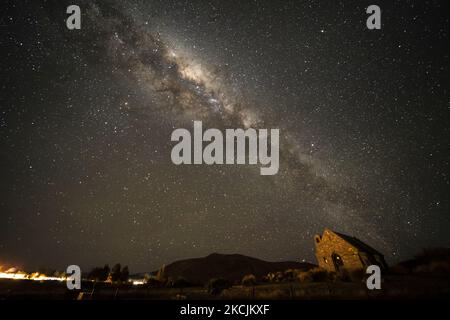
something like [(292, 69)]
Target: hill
[(433, 260), (227, 266)]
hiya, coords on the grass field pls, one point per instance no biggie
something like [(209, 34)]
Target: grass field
[(393, 287)]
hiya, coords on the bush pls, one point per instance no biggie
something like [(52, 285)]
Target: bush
[(319, 274), (316, 275), (216, 286), (304, 277), (179, 283), (290, 274), (249, 280), (278, 277), (269, 277), (154, 282), (357, 275), (124, 274), (99, 273), (115, 273)]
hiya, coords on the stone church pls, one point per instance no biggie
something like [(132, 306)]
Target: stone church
[(338, 252)]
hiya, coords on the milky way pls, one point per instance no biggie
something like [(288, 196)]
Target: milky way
[(89, 113)]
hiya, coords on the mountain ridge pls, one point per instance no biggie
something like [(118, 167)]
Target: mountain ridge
[(232, 267)]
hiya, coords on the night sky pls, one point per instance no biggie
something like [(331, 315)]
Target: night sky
[(86, 119)]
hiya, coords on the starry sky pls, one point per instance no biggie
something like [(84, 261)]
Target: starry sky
[(86, 118)]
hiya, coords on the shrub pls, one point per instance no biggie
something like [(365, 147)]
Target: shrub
[(179, 283), (216, 286), (99, 273), (319, 274), (289, 275), (316, 275), (270, 277), (304, 277), (116, 272), (249, 280), (357, 275), (154, 282), (124, 274), (279, 276)]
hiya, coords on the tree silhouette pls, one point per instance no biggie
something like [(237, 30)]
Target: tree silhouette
[(124, 274), (104, 273), (116, 273)]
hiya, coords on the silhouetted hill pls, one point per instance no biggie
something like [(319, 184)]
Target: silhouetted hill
[(433, 260), (227, 266)]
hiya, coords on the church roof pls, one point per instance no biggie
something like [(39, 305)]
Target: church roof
[(358, 244)]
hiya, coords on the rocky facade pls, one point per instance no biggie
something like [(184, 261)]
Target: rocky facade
[(337, 252)]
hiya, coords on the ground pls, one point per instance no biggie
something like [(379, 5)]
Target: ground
[(393, 287)]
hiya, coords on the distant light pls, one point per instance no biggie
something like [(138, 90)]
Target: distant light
[(138, 282)]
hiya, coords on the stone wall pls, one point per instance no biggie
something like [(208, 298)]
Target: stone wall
[(330, 243)]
